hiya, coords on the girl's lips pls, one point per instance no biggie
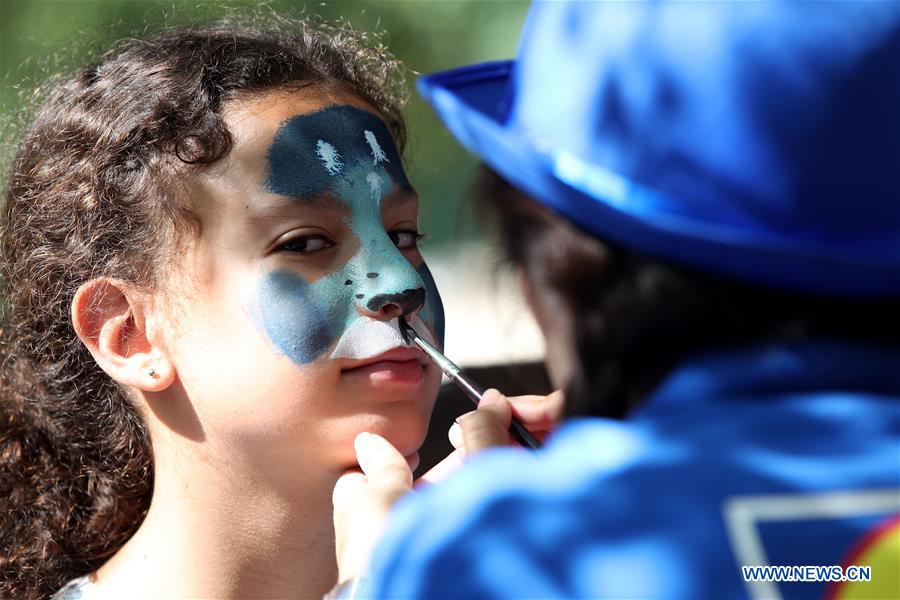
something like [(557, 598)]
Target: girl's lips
[(405, 372), (397, 366), (397, 354)]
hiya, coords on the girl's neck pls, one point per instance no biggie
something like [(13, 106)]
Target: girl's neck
[(212, 534)]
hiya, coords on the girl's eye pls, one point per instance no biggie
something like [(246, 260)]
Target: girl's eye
[(405, 238), (307, 244)]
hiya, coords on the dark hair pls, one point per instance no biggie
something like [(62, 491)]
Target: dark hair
[(91, 194), (635, 317)]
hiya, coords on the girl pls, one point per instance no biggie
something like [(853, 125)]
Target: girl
[(208, 239)]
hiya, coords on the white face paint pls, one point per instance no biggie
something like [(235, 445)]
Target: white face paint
[(368, 338), (378, 154), (374, 184), (329, 156)]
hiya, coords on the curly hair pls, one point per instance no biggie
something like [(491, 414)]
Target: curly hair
[(636, 317), (91, 193)]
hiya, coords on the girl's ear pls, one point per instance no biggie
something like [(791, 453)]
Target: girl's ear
[(109, 319)]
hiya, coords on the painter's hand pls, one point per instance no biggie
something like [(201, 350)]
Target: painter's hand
[(362, 499), (488, 426)]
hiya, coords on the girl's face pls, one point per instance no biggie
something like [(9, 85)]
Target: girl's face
[(287, 342)]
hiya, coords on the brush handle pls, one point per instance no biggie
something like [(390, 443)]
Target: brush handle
[(522, 435), (469, 387)]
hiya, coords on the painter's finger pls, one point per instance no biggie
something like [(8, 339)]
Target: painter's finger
[(495, 402), (455, 435), (384, 466), (483, 429), (539, 413), (359, 516), (348, 486), (444, 468)]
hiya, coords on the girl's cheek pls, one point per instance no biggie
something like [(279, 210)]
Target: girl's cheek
[(293, 317)]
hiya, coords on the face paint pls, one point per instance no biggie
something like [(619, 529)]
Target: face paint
[(433, 310), (349, 154), (289, 299), (368, 337)]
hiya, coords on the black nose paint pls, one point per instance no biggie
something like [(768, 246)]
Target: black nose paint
[(407, 300)]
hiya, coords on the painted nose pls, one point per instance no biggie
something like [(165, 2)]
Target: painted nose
[(391, 306)]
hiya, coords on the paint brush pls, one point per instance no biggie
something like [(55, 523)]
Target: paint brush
[(469, 387)]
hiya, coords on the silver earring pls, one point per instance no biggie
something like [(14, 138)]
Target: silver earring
[(152, 373)]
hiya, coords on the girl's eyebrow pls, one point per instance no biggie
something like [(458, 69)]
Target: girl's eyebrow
[(281, 206), (400, 198)]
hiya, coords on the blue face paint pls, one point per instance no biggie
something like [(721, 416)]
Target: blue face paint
[(311, 153), (288, 298), (349, 154), (433, 310)]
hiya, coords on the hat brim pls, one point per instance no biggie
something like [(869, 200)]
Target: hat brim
[(473, 102)]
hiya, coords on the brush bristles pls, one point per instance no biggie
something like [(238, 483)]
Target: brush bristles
[(406, 331)]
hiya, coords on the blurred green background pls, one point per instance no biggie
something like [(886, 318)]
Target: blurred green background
[(38, 37)]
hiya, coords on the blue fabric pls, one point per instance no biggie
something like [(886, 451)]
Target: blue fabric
[(758, 140), (648, 507)]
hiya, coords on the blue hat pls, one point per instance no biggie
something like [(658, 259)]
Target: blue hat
[(756, 140)]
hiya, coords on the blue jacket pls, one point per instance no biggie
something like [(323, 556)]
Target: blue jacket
[(778, 455)]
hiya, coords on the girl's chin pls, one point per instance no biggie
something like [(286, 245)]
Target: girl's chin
[(406, 433)]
